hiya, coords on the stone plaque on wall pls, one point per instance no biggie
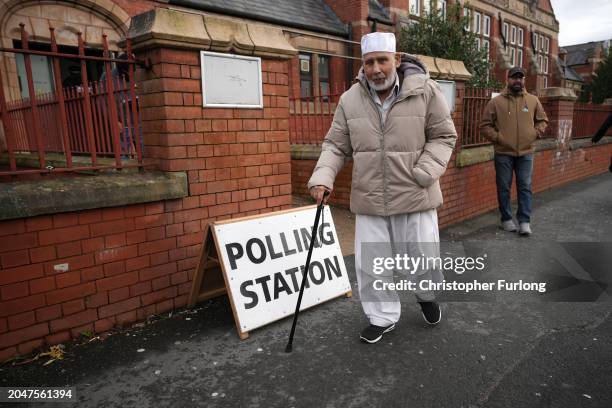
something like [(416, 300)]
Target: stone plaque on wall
[(231, 81)]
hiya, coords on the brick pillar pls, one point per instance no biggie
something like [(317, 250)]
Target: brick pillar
[(354, 12), (457, 114), (237, 160), (396, 8), (559, 106)]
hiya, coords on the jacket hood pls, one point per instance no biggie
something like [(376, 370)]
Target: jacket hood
[(412, 74)]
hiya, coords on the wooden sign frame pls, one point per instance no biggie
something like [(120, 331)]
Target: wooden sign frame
[(210, 279)]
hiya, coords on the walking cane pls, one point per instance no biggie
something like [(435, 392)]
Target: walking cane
[(313, 238)]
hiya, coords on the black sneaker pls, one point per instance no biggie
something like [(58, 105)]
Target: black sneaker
[(431, 312), (373, 334)]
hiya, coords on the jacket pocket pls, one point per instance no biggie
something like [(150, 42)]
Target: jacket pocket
[(502, 140), (529, 136), (403, 190)]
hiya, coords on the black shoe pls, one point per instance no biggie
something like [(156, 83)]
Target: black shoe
[(431, 312), (373, 334)]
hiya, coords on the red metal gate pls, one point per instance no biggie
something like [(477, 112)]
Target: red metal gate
[(95, 119)]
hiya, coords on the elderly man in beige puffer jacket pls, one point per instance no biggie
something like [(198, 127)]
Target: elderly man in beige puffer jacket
[(396, 126)]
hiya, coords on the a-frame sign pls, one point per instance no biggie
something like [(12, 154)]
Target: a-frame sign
[(259, 262)]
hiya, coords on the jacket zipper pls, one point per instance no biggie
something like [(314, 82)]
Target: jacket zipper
[(516, 114), (382, 128), (382, 145)]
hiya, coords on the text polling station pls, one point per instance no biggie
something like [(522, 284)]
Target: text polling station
[(263, 257)]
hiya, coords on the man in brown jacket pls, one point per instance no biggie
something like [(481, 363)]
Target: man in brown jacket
[(513, 121), (395, 125)]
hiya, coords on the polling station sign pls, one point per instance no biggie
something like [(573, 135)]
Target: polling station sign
[(262, 260)]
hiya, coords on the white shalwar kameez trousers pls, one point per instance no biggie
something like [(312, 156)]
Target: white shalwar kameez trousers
[(413, 233)]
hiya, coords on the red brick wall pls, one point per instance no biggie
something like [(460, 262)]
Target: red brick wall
[(127, 263), (470, 190)]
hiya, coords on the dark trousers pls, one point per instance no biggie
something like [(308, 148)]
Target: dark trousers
[(505, 166)]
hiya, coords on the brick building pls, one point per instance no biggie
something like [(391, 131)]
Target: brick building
[(569, 77), (585, 58)]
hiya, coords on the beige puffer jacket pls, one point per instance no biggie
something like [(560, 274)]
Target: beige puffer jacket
[(395, 169)]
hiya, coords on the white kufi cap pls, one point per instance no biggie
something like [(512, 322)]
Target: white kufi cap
[(377, 42)]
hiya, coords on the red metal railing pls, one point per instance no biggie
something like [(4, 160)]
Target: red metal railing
[(474, 102), (92, 120), (311, 117), (588, 118)]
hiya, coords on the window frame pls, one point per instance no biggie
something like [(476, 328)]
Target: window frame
[(477, 27), (303, 77), (321, 79), (520, 36), (417, 7), (512, 34), (505, 30), (519, 57), (468, 13), (442, 4), (485, 41), (486, 25)]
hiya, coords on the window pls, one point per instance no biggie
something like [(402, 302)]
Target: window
[(427, 7), (513, 35), (42, 68), (519, 57), (546, 65), (485, 45), (545, 82), (324, 74), (534, 39), (415, 7), (520, 37), (467, 13), (513, 56), (505, 32), (477, 22), (305, 75), (546, 45), (442, 7), (541, 42), (42, 75), (478, 43), (486, 29), (540, 61)]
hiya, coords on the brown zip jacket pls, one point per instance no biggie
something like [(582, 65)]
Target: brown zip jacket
[(396, 167), (513, 122)]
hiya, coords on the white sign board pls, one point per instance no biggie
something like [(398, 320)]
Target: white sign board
[(263, 261), (448, 90), (231, 81)]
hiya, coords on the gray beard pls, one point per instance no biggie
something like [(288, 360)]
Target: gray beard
[(389, 82)]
